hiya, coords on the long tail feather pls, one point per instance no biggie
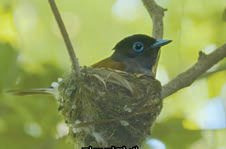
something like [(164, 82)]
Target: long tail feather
[(35, 91)]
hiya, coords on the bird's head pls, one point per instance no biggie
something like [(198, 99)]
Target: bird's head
[(139, 45), (138, 52)]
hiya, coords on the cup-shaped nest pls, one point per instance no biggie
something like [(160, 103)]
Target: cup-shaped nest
[(105, 107)]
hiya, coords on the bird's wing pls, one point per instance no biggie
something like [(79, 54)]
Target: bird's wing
[(109, 63)]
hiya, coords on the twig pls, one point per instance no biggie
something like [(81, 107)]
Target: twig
[(190, 75), (74, 60), (219, 69), (156, 12)]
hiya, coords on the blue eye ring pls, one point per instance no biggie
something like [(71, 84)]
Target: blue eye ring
[(138, 47)]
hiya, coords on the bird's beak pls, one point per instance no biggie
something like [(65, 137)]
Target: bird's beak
[(159, 43)]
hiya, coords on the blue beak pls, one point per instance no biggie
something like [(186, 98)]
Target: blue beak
[(159, 43)]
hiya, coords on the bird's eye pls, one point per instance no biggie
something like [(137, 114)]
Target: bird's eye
[(138, 46)]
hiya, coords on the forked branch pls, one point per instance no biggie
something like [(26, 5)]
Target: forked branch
[(189, 76), (186, 78)]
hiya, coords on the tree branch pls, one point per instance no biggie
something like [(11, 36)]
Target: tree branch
[(190, 75), (156, 13), (70, 49)]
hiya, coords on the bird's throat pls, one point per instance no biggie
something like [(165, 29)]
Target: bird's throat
[(140, 64)]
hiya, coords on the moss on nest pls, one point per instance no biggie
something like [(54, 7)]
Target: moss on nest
[(106, 107)]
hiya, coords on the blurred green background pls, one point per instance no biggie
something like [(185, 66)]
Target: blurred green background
[(32, 54)]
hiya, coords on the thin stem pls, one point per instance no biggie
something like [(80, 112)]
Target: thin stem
[(70, 49)]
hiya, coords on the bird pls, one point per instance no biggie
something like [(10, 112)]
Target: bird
[(134, 54)]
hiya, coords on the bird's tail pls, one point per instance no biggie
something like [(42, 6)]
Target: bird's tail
[(34, 91), (52, 90)]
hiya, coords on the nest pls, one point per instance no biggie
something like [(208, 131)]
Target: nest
[(105, 108)]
